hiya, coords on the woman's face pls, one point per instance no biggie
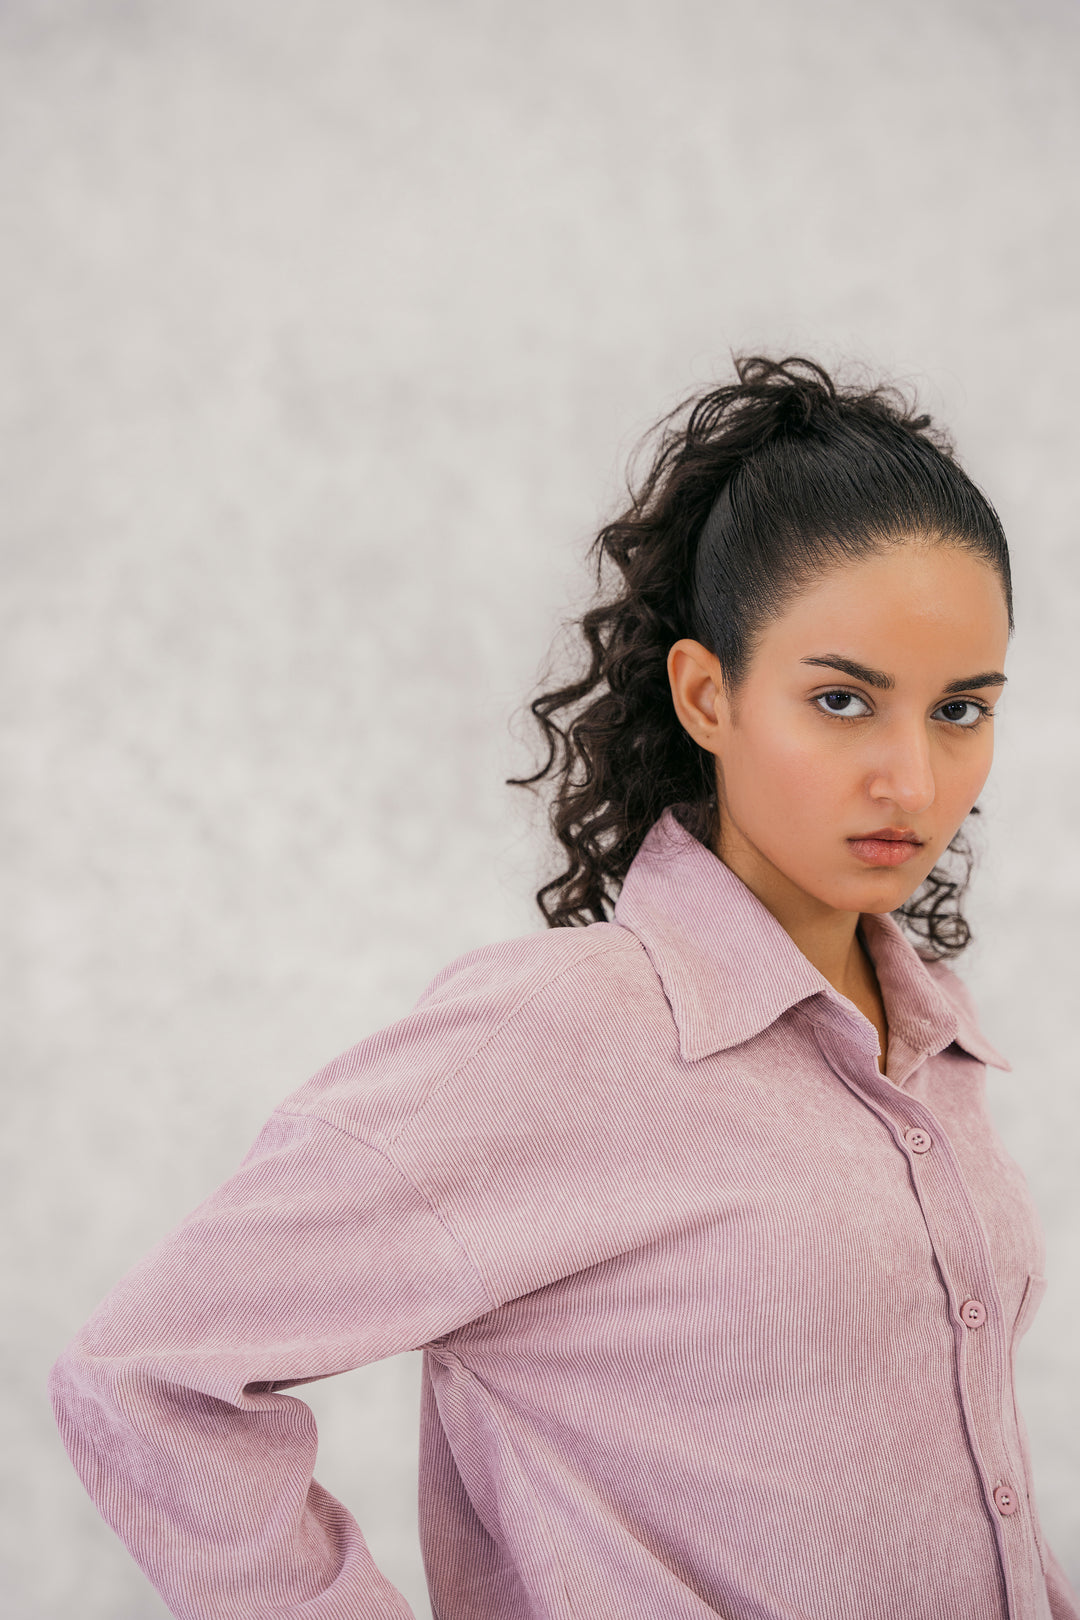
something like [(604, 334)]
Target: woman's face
[(865, 707)]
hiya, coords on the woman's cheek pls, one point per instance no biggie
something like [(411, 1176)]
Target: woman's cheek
[(960, 782)]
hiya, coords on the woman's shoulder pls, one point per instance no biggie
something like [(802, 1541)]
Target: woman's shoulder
[(969, 1033), (947, 979), (954, 988), (522, 966), (516, 995)]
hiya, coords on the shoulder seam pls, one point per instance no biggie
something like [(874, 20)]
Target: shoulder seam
[(600, 948), (597, 950)]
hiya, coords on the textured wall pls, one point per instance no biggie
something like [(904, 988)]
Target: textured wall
[(325, 331)]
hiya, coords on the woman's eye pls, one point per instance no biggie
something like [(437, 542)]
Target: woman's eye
[(963, 714), (959, 704), (841, 703)]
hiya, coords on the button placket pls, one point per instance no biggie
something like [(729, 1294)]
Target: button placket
[(960, 1246)]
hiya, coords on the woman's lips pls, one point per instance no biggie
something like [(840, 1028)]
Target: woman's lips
[(883, 851)]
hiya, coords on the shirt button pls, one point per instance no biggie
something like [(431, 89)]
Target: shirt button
[(918, 1140), (973, 1313), (1005, 1501)]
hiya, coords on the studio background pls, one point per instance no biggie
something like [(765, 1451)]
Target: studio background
[(325, 331)]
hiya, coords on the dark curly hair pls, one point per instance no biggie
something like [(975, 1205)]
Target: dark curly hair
[(753, 490)]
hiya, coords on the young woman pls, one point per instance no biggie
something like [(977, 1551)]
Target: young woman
[(694, 1206)]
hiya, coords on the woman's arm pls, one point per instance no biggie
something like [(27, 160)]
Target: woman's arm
[(1059, 1590), (317, 1256)]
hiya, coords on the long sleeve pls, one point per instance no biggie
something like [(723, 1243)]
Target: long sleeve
[(1059, 1590), (317, 1256)]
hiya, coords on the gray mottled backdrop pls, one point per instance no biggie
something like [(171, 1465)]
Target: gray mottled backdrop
[(326, 329)]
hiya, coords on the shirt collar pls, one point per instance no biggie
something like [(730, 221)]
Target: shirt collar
[(729, 969)]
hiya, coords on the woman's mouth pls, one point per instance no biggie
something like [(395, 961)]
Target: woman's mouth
[(884, 850)]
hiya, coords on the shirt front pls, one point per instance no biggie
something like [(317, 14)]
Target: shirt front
[(716, 1318)]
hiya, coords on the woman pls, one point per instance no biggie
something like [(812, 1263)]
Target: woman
[(716, 1260)]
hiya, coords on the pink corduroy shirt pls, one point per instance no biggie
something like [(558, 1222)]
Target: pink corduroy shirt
[(716, 1319)]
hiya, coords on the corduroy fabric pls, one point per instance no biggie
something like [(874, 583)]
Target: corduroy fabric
[(693, 1280)]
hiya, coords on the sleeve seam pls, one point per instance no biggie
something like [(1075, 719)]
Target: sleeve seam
[(600, 948), (351, 1136)]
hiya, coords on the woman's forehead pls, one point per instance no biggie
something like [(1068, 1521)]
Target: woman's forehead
[(904, 607)]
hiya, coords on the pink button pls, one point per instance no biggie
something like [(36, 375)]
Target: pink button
[(918, 1140), (1005, 1501), (973, 1313)]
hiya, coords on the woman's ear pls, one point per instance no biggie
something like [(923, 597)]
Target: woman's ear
[(697, 691)]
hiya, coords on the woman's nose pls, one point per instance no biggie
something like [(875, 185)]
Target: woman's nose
[(902, 769)]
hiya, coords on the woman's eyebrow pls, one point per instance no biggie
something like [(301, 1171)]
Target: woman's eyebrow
[(877, 677)]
